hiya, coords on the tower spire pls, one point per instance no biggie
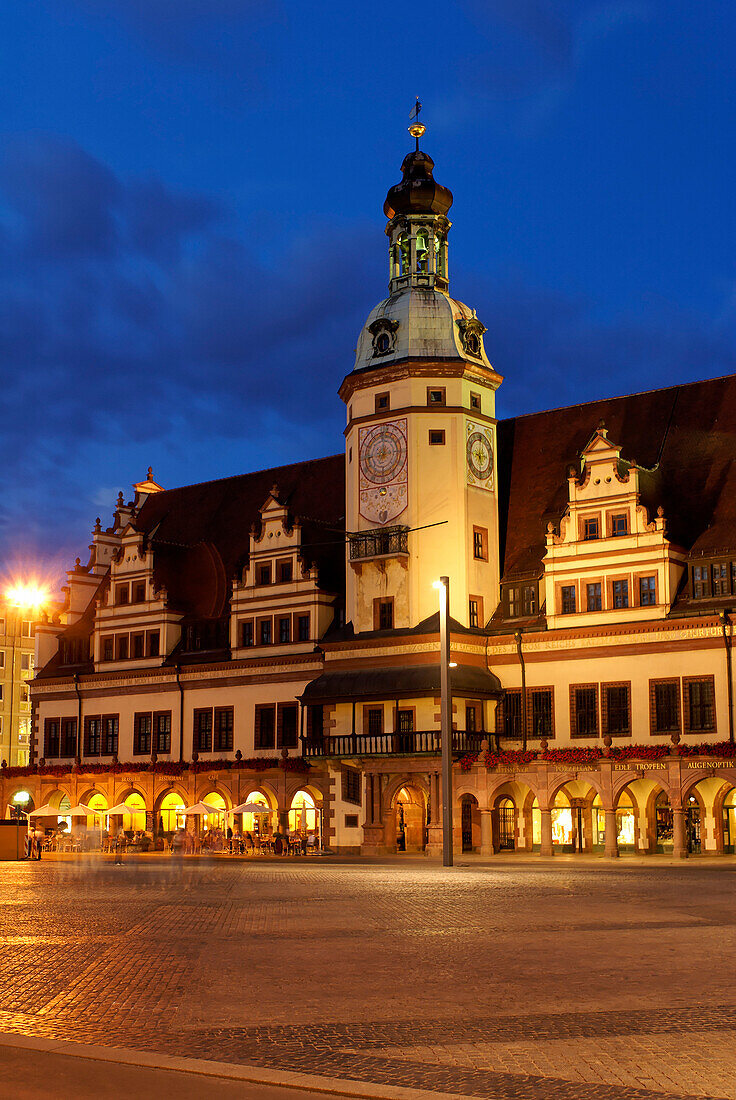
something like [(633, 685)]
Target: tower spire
[(417, 128)]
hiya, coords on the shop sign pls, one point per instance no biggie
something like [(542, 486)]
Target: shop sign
[(640, 766), (706, 765)]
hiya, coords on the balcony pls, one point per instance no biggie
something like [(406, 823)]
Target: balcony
[(379, 543), (414, 743)]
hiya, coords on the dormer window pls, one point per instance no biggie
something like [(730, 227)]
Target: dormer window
[(122, 594), (285, 572), (263, 574), (620, 524), (591, 528), (720, 579), (139, 592), (383, 332), (701, 586)]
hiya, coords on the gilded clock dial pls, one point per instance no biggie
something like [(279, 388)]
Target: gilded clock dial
[(383, 453), (480, 456)]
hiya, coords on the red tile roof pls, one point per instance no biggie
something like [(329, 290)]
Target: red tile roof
[(685, 434)]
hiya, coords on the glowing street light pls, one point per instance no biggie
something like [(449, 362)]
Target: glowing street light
[(443, 586)]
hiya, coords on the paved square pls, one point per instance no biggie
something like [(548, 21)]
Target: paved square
[(513, 979)]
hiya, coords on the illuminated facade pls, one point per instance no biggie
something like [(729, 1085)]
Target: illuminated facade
[(17, 645), (274, 637)]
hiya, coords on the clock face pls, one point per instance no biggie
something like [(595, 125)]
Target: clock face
[(383, 453), (383, 471), (480, 456)]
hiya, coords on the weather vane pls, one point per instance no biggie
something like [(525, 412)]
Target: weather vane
[(417, 128)]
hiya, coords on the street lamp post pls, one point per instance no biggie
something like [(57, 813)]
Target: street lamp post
[(443, 585)]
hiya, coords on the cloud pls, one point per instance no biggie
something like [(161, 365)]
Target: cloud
[(163, 337)]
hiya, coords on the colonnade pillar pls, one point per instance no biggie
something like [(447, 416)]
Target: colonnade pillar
[(546, 847), (679, 845), (434, 832), (611, 834), (486, 833)]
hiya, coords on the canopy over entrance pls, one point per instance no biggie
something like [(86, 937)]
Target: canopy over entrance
[(396, 683)]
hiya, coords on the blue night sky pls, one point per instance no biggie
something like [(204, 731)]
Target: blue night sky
[(191, 223)]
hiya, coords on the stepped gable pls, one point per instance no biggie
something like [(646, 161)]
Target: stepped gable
[(201, 533), (685, 435)]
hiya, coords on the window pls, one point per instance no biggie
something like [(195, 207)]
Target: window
[(110, 726), (1, 693), (246, 633), (620, 593), (592, 528), (480, 543), (263, 574), (513, 596), (139, 645), (162, 731), (315, 722), (593, 596), (699, 705), (92, 736), (436, 437), (203, 730), (25, 662), (24, 697), (720, 579), (265, 727), (122, 594), (122, 643), (285, 572), (351, 821), (620, 524), (2, 626), (141, 734), (108, 648), (435, 396), (567, 595), (647, 591), (287, 726), (475, 605), (303, 628), (51, 741), (541, 712), (616, 710), (664, 705), (584, 711), (285, 629), (529, 593), (351, 785), (701, 581), (139, 592), (264, 632), (471, 718), (383, 401), (68, 737), (475, 401), (375, 721), (224, 724), (512, 714), (27, 629), (154, 643)]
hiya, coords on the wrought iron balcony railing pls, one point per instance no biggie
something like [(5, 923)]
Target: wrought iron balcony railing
[(390, 744), (380, 542)]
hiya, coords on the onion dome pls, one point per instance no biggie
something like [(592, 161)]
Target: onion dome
[(418, 192)]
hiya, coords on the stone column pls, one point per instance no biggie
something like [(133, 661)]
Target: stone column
[(679, 846), (434, 832), (546, 848), (486, 833), (373, 838), (611, 835)]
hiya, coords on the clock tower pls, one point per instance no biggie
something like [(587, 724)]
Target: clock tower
[(421, 431)]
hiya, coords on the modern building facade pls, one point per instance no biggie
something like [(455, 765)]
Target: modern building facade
[(274, 636), (17, 646)]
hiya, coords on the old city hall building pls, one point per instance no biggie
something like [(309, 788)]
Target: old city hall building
[(273, 637)]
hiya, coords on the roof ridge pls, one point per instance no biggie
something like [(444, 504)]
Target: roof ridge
[(677, 387), (253, 473)]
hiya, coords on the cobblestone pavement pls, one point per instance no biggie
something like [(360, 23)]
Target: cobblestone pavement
[(516, 980)]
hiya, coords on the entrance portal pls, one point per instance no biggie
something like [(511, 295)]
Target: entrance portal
[(410, 821), (692, 826), (506, 825)]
